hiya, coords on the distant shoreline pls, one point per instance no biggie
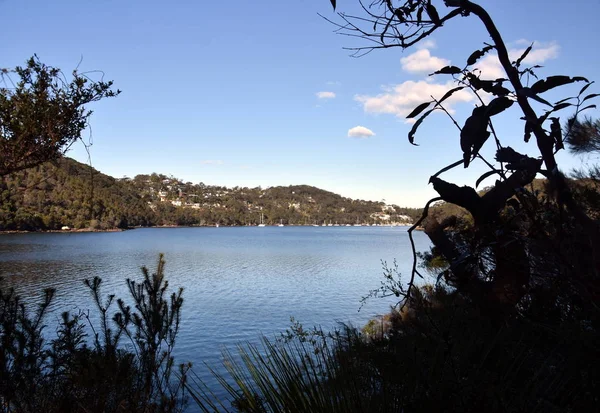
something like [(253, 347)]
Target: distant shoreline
[(86, 230)]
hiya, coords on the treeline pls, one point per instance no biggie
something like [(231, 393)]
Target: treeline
[(69, 193)]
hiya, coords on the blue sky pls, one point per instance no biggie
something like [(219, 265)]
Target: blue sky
[(227, 93)]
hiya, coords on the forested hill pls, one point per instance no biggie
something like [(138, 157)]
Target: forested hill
[(69, 193)]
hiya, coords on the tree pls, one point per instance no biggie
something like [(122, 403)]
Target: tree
[(42, 113), (497, 259)]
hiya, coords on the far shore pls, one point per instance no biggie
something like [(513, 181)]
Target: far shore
[(67, 231)]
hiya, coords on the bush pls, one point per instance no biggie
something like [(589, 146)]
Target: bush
[(81, 372)]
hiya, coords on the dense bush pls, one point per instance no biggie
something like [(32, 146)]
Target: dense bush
[(83, 371)]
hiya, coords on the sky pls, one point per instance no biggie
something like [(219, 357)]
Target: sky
[(263, 93)]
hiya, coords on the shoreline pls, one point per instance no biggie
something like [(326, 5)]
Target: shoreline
[(86, 230)]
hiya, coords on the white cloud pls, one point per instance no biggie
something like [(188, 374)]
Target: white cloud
[(212, 162), (422, 61), (490, 65), (325, 95), (401, 99), (427, 44), (539, 54), (360, 132)]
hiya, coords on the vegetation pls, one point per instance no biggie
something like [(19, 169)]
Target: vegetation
[(68, 193), (512, 323), (90, 369), (42, 113)]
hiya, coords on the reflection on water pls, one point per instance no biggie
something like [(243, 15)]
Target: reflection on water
[(238, 282)]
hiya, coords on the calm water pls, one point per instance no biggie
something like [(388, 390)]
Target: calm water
[(239, 282)]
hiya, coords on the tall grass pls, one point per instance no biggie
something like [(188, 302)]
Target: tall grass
[(439, 354)]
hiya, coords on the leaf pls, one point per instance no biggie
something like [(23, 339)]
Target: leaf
[(588, 107), (333, 4), (563, 100), (583, 89), (486, 175), (551, 82), (530, 94), (419, 14), (561, 106), (433, 14), (593, 95), (418, 110), (450, 93), (478, 54), (448, 70), (411, 134), (399, 15), (524, 55), (447, 168), (498, 105)]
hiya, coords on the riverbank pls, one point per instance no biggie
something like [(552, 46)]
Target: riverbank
[(189, 226)]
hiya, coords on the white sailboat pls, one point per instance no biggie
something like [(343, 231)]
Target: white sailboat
[(261, 220), (280, 223)]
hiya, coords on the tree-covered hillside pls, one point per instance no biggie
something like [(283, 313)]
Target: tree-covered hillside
[(68, 193)]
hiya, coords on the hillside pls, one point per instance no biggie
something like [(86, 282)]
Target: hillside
[(69, 193)]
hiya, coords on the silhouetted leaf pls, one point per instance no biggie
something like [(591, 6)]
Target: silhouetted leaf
[(433, 14), (530, 94), (486, 175), (419, 14), (563, 100), (450, 93), (583, 89), (418, 109), (588, 107), (399, 15), (478, 54), (411, 134), (551, 82), (528, 130), (524, 55), (593, 95), (499, 90), (448, 70), (556, 133), (447, 168), (333, 4), (498, 105), (561, 106)]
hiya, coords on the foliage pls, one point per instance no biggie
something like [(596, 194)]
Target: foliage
[(439, 353), (512, 324), (42, 113), (82, 372), (68, 193)]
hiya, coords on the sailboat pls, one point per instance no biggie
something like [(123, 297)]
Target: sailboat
[(261, 220), (280, 223)]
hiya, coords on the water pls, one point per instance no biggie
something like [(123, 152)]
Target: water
[(239, 282)]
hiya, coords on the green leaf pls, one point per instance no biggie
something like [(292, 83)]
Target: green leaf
[(551, 82), (486, 175), (448, 70), (478, 54), (498, 105), (418, 109), (593, 95), (524, 55), (411, 134), (333, 4)]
